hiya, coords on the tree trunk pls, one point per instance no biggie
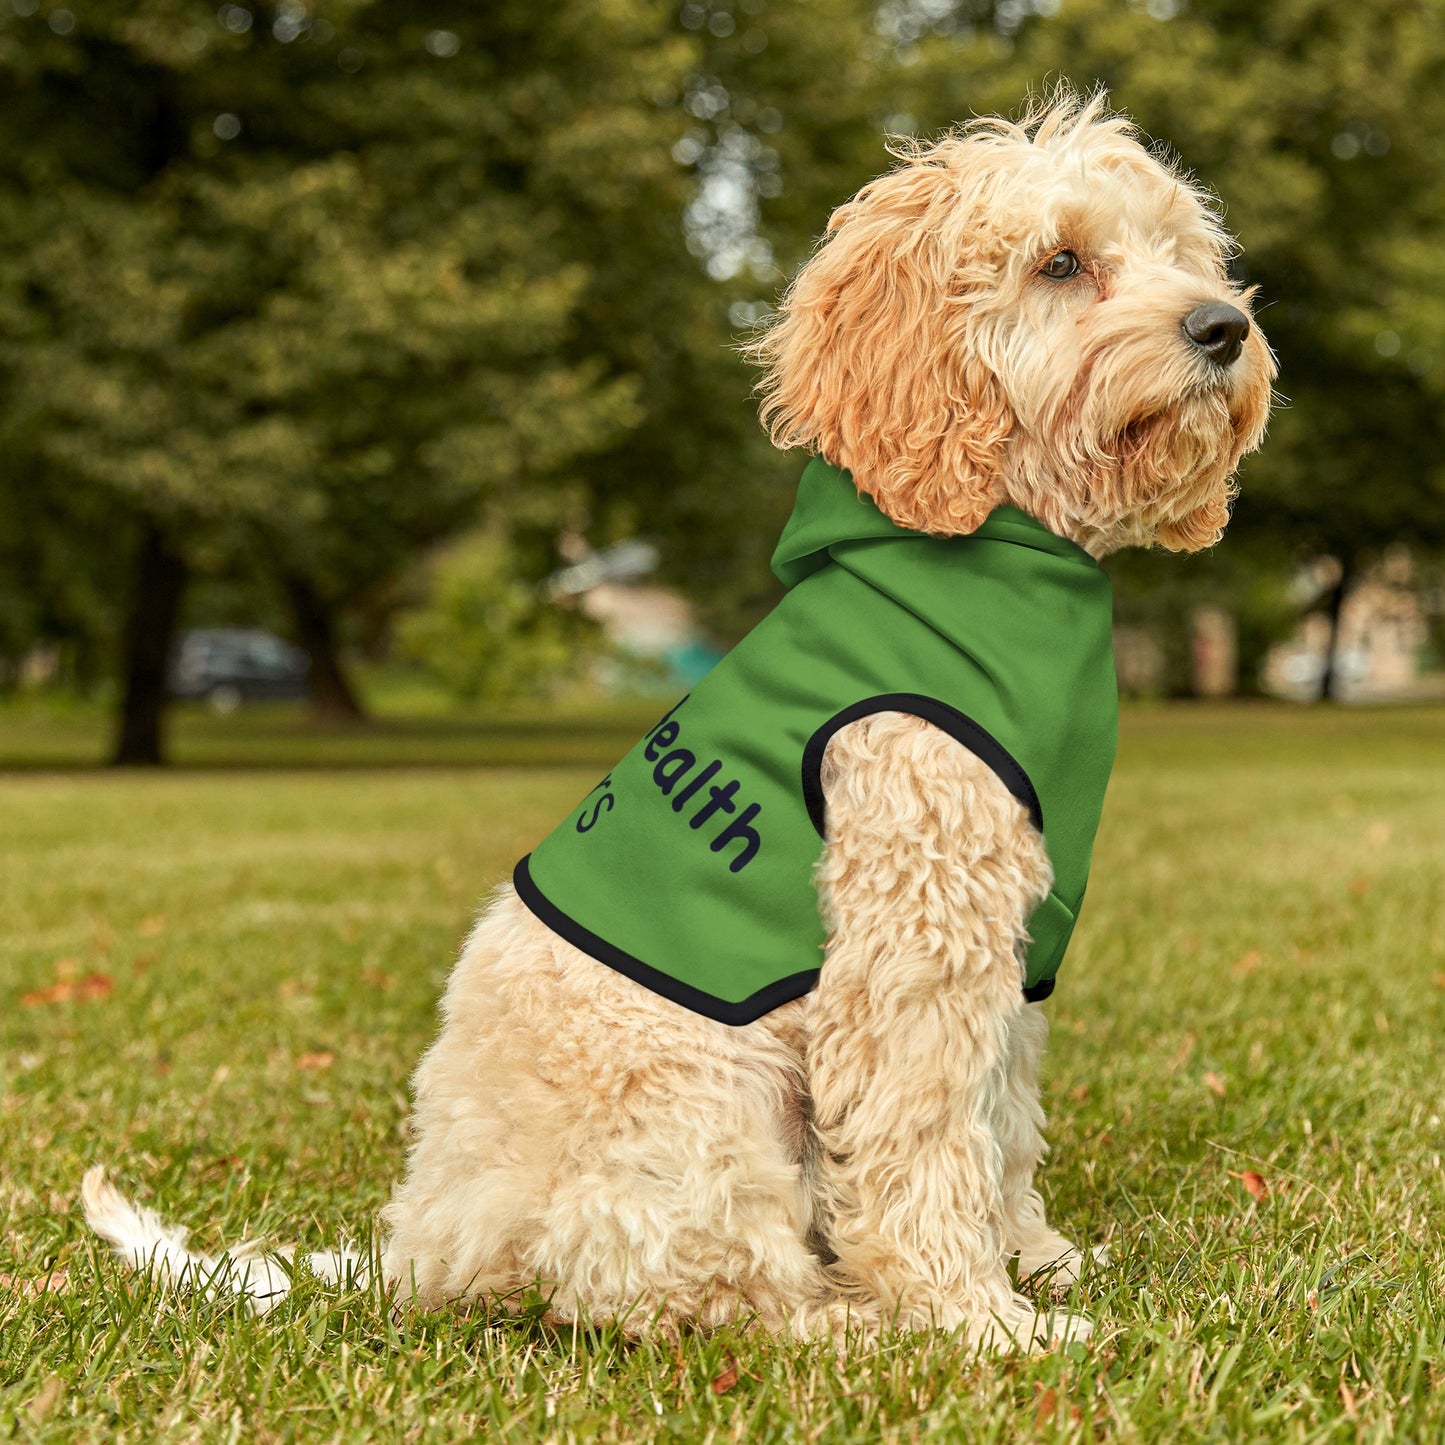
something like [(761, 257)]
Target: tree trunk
[(332, 697), (150, 630), (1329, 679)]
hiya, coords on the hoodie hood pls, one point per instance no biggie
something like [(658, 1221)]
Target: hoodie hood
[(830, 513)]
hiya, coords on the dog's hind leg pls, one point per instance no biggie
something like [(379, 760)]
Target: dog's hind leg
[(680, 1199), (577, 1134), (930, 874), (484, 1124)]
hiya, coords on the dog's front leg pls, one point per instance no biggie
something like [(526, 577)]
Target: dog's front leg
[(1018, 1122), (930, 874)]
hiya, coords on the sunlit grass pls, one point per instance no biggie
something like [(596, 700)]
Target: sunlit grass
[(252, 958)]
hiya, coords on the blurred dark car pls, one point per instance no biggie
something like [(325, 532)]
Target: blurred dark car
[(230, 665)]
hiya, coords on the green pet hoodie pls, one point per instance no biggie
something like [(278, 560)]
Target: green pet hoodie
[(689, 866)]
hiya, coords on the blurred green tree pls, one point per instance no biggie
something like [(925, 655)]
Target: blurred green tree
[(780, 117), (313, 287), (487, 634)]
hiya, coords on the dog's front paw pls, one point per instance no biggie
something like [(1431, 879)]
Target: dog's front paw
[(1021, 1325), (1056, 1265)]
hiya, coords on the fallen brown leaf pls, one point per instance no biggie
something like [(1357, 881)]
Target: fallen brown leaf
[(1359, 886), (724, 1382), (92, 986), (1079, 1094), (1440, 980), (56, 1282), (56, 993), (1254, 1183), (1046, 1407), (1214, 1084), (321, 1059), (1246, 963), (377, 978)]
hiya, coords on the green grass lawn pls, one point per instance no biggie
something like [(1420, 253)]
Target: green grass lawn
[(409, 728), (216, 980)]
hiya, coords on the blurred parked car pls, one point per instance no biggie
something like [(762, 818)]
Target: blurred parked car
[(230, 665)]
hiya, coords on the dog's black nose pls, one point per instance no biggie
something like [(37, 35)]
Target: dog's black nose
[(1218, 331)]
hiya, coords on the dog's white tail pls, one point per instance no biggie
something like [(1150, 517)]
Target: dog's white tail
[(147, 1243)]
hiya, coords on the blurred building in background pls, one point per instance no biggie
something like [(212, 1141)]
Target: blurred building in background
[(1382, 650), (654, 637)]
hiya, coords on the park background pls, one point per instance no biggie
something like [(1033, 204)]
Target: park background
[(406, 334), (380, 326)]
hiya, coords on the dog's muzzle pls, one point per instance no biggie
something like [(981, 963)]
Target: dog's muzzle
[(1218, 330)]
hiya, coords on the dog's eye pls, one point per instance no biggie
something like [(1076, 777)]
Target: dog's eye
[(1060, 266)]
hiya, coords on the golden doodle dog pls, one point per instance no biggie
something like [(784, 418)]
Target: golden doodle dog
[(1025, 333)]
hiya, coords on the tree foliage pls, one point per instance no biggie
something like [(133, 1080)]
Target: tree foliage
[(487, 634), (317, 288)]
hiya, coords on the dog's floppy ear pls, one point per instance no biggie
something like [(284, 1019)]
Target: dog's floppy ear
[(871, 360)]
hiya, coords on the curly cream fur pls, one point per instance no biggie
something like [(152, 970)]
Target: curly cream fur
[(865, 1155), (642, 1163), (922, 349), (575, 1131)]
